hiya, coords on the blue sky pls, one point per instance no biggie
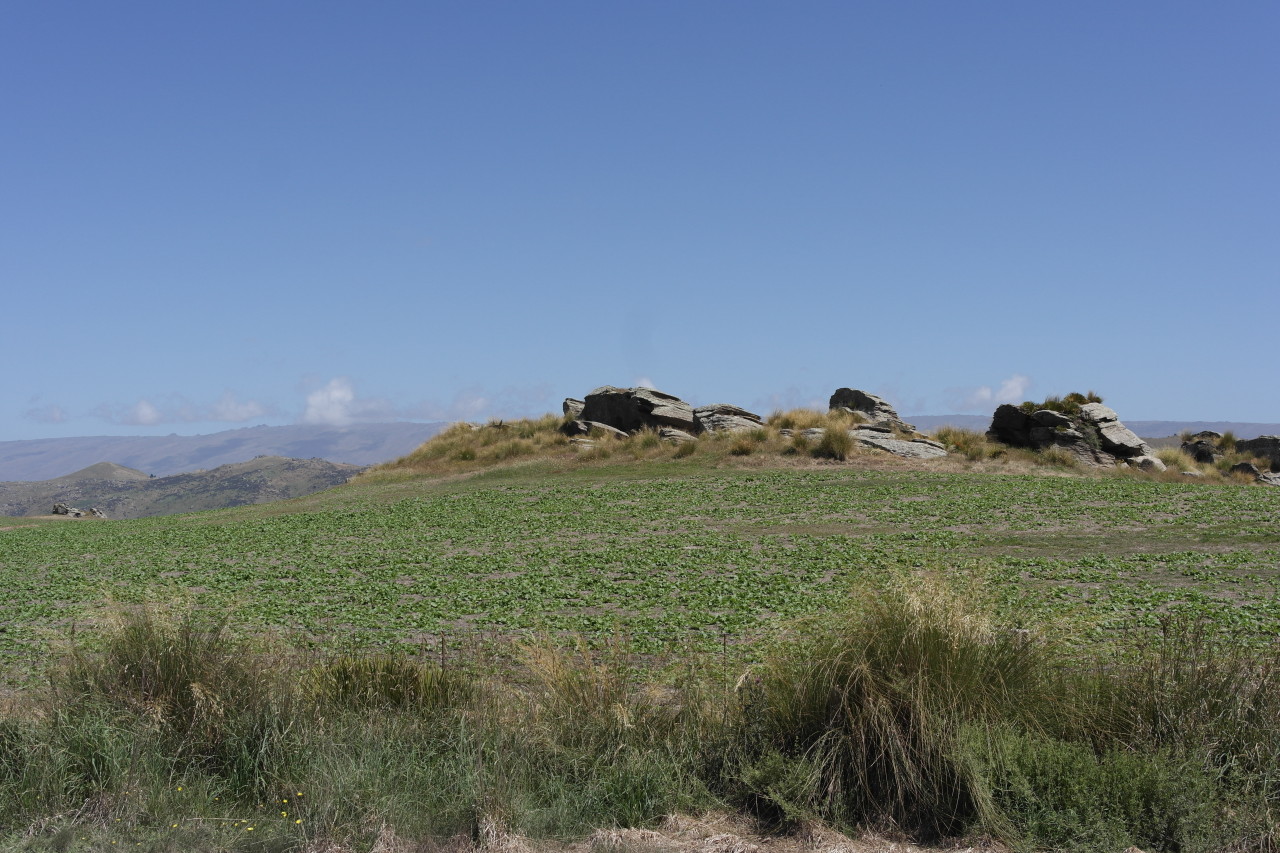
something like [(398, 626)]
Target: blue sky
[(219, 215)]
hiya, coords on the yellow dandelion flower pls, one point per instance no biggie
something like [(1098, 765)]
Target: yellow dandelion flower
[(299, 820), (248, 829)]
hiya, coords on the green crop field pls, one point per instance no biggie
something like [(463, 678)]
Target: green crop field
[(668, 557)]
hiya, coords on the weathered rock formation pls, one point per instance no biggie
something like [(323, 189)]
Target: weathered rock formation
[(1203, 447), (632, 409), (619, 411), (74, 512), (626, 410), (874, 410), (722, 417), (1265, 446), (1094, 435)]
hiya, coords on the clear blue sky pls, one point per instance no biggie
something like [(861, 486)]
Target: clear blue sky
[(225, 214)]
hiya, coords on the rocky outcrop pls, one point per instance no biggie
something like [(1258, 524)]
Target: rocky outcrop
[(873, 409), (722, 417), (572, 408), (1203, 447), (1093, 434), (73, 512), (632, 409), (1264, 446)]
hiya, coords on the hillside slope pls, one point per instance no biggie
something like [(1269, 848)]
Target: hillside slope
[(358, 444), (121, 492)]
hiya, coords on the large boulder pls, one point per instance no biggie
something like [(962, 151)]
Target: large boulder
[(632, 409), (1093, 434), (572, 408), (1010, 425), (1204, 450), (722, 417), (875, 410), (1266, 446), (915, 449)]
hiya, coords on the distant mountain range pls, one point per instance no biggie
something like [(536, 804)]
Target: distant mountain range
[(121, 492), (359, 444), (1145, 429)]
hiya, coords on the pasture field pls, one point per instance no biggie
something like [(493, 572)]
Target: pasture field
[(669, 556), (829, 643)]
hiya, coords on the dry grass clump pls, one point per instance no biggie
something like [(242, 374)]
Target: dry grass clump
[(974, 446)]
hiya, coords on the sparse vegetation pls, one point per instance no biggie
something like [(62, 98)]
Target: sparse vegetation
[(1067, 405)]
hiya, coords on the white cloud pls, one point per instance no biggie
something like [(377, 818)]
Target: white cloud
[(336, 404), (1011, 390), (645, 382), (143, 413)]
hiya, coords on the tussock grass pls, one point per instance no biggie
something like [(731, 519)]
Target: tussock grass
[(913, 708), (974, 446)]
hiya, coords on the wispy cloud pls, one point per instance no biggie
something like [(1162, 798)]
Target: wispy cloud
[(177, 409), (51, 413), (1011, 390)]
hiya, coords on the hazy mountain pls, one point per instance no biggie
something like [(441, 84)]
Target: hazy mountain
[(122, 492), (1146, 429), (359, 444)]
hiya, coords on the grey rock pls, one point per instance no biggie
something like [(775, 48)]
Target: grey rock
[(582, 443), (1010, 425), (63, 509), (573, 408), (1085, 453), (1050, 418), (786, 433), (661, 409), (930, 442), (1147, 463), (1119, 439), (1269, 479), (1096, 413), (1207, 435), (1041, 436), (814, 433), (1193, 473), (677, 436), (632, 409), (1267, 446), (875, 409), (722, 417), (909, 449), (1202, 450), (1245, 468)]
